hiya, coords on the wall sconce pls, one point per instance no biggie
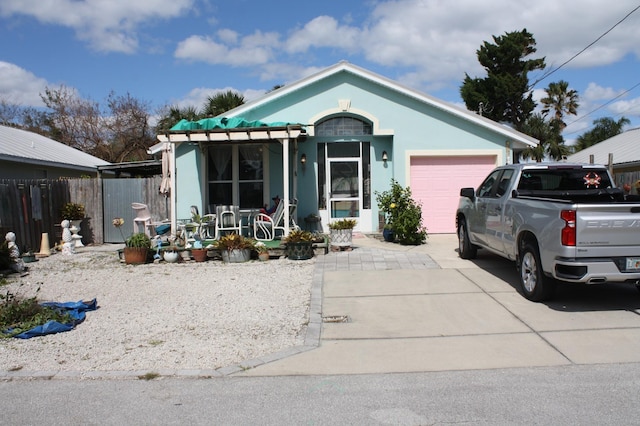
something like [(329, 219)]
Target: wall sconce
[(385, 157), (303, 159)]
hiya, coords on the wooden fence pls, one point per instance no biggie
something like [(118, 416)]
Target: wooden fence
[(32, 207)]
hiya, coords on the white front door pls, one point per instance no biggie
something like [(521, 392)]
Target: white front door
[(344, 184)]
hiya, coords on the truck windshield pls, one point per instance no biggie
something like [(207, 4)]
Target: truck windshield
[(564, 179)]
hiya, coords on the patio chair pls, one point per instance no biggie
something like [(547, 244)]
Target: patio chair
[(143, 218), (228, 220), (268, 228)]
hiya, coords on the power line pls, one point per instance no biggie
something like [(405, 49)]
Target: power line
[(601, 106), (547, 74)]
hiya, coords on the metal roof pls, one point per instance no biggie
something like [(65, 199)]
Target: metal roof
[(22, 146), (623, 147)]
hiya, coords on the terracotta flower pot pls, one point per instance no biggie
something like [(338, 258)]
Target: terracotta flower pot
[(199, 255), (135, 255)]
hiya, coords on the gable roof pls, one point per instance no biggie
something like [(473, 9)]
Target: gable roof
[(345, 66), (624, 148), (21, 146)]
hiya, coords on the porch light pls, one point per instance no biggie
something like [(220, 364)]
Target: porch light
[(303, 159), (385, 157)]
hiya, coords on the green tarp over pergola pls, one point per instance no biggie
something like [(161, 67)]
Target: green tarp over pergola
[(223, 123)]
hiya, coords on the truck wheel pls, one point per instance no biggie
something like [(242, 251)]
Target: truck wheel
[(536, 286), (466, 250)]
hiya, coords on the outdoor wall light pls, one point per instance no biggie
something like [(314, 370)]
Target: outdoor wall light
[(303, 159), (385, 157)]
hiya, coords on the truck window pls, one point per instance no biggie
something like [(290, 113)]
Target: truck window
[(505, 182), (564, 179), (484, 190)]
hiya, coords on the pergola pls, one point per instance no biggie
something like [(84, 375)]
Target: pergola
[(231, 131)]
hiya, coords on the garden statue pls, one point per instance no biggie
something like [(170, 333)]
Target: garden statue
[(14, 252), (68, 245)]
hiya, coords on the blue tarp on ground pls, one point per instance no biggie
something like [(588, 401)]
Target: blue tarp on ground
[(75, 309)]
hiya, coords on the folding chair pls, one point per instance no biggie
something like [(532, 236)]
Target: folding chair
[(268, 228), (228, 220)]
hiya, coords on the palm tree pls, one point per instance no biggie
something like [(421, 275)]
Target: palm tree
[(603, 128), (561, 101), (169, 116), (221, 103)]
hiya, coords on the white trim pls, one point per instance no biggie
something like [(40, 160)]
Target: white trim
[(467, 115), (498, 153), (311, 130)]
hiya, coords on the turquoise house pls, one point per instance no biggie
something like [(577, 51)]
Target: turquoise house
[(331, 141)]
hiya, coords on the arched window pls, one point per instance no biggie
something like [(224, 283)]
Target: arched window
[(343, 126)]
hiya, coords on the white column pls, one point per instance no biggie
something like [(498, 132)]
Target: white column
[(285, 178)]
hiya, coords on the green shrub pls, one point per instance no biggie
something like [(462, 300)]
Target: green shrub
[(402, 214)]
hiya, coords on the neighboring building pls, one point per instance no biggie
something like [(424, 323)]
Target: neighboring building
[(338, 137), (621, 150), (28, 155)]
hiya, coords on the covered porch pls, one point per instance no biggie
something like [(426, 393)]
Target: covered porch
[(205, 162)]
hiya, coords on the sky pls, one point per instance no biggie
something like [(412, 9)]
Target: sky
[(179, 52)]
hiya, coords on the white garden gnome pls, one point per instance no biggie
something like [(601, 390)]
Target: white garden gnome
[(17, 265), (68, 245)]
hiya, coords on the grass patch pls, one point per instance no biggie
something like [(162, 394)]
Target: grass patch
[(149, 376)]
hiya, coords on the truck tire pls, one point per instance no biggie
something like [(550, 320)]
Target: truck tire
[(466, 250), (536, 286)]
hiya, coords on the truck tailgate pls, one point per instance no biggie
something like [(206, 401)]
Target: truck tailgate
[(608, 225)]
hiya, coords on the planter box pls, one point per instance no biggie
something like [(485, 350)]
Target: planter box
[(341, 237), (300, 251), (236, 255)]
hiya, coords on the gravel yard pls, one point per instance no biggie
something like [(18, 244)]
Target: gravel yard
[(162, 316)]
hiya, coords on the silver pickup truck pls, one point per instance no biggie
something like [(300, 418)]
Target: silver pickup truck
[(557, 221)]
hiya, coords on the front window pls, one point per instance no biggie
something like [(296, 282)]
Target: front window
[(239, 182)]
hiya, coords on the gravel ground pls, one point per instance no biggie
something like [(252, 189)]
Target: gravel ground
[(162, 316)]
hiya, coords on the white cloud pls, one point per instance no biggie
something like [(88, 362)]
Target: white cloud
[(19, 86), (254, 49), (323, 31), (108, 26)]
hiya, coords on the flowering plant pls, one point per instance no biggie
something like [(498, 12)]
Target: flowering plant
[(118, 222), (402, 214), (261, 247), (139, 239)]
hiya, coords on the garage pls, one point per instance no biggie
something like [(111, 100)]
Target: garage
[(435, 182)]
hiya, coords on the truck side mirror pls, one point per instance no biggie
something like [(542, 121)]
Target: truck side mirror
[(468, 192)]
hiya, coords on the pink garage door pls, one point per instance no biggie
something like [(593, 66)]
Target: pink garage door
[(436, 183)]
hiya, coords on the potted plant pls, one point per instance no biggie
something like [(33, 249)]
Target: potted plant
[(136, 246), (262, 250), (299, 245), (235, 248), (402, 214), (171, 254), (72, 211), (341, 233)]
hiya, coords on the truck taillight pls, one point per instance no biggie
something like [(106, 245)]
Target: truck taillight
[(569, 230)]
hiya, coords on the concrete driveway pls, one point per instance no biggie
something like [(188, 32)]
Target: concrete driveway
[(385, 308)]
